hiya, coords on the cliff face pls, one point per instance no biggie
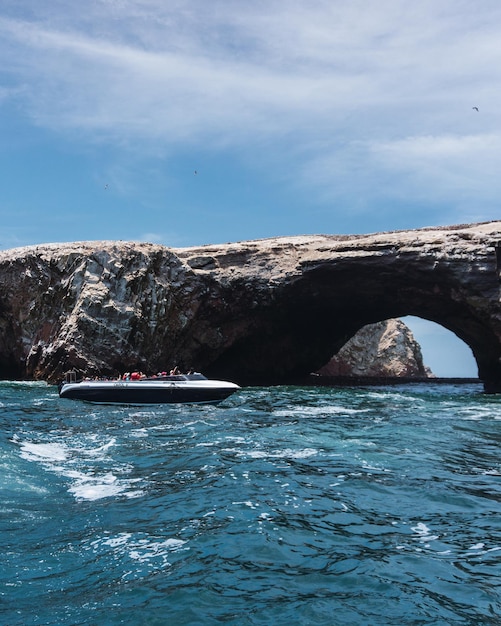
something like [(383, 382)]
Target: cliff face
[(94, 307), (255, 312), (384, 349)]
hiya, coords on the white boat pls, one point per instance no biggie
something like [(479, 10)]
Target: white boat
[(186, 388)]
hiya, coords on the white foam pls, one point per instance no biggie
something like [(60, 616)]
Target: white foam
[(384, 394), (248, 503), (86, 483), (100, 449), (476, 413), (142, 549), (139, 433), (480, 549), (423, 532), (23, 383), (361, 443), (318, 410), (114, 542), (91, 487), (287, 453), (44, 451), (96, 491)]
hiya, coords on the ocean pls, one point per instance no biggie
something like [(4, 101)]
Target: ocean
[(281, 506)]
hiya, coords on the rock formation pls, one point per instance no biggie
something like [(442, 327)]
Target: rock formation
[(261, 312), (380, 350)]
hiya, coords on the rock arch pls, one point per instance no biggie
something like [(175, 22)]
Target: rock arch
[(261, 312), (317, 292)]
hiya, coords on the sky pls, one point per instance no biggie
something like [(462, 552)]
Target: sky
[(189, 122)]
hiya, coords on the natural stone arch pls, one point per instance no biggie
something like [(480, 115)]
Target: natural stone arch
[(315, 316), (448, 276), (256, 312)]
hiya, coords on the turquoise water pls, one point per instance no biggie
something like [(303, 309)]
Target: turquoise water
[(284, 505)]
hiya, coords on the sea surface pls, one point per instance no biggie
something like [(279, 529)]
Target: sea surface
[(281, 506)]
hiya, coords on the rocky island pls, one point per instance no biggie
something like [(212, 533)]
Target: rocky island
[(384, 350), (255, 312)]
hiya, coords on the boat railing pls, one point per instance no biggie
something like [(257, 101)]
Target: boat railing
[(72, 377)]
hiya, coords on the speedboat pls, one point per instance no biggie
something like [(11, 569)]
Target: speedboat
[(186, 388)]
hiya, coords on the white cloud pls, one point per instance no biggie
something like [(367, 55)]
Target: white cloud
[(353, 93), (451, 165), (233, 70), (435, 148)]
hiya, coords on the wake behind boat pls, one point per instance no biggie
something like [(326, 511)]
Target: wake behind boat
[(185, 388)]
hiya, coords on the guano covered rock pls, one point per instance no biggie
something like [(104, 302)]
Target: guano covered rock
[(263, 312)]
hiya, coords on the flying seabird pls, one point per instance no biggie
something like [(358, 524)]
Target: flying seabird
[(476, 108)]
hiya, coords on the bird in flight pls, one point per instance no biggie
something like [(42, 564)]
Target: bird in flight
[(476, 108)]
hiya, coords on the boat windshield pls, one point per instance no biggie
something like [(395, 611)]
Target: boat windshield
[(194, 376)]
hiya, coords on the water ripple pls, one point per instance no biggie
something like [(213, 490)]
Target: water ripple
[(281, 506)]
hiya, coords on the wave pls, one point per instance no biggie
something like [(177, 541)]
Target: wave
[(83, 467)]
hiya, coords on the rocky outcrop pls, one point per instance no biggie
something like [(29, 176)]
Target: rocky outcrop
[(261, 312), (380, 350)]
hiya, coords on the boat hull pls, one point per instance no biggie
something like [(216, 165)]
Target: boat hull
[(145, 392)]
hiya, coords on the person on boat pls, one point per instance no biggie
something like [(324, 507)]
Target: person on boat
[(175, 371)]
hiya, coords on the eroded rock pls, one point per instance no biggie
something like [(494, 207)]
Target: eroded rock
[(259, 312), (380, 350)]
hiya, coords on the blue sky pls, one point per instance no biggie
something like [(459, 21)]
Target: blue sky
[(192, 122)]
